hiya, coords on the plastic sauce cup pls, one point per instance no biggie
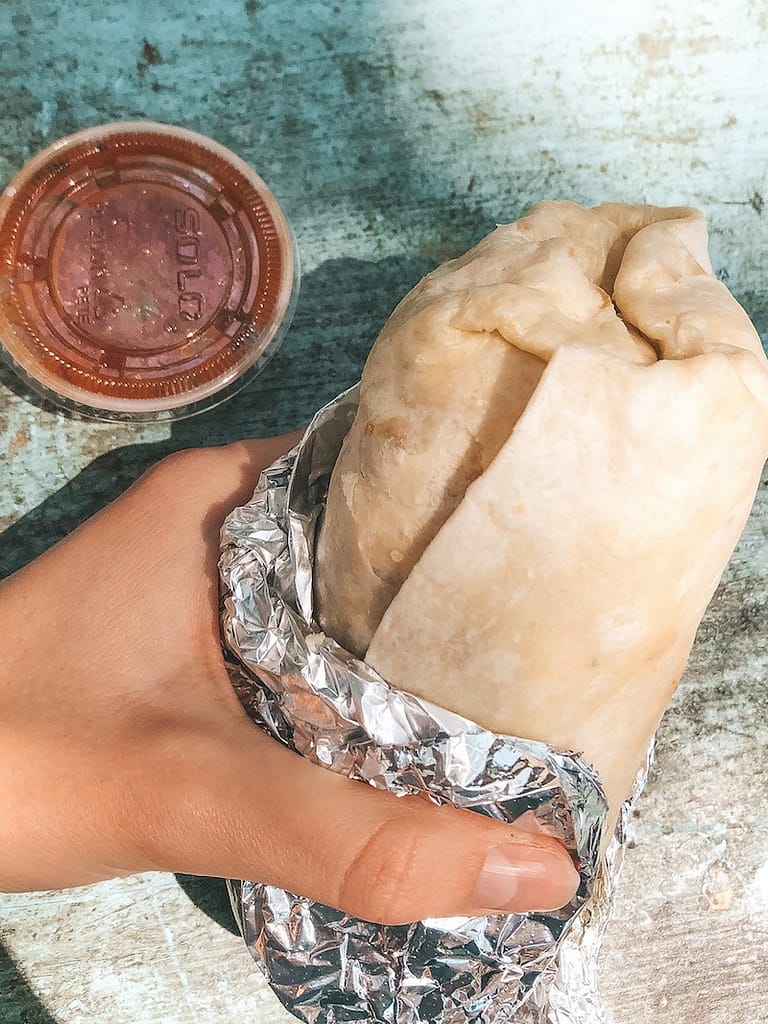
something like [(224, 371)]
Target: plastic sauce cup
[(146, 272)]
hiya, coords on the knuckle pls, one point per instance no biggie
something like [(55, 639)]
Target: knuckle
[(382, 882), (179, 474), (188, 462)]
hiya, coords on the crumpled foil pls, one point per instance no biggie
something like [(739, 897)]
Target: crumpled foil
[(317, 699)]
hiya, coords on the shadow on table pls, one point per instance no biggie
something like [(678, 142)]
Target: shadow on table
[(18, 1003), (343, 304), (160, 63), (209, 895)]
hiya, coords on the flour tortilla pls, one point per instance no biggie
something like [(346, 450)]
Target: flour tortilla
[(542, 485)]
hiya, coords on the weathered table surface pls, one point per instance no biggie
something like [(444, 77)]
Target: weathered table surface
[(396, 134)]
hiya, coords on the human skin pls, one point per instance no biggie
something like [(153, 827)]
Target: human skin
[(123, 747)]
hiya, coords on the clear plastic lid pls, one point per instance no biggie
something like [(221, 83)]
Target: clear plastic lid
[(146, 272)]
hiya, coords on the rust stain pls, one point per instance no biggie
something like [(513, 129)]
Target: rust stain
[(19, 440), (720, 900), (438, 99), (704, 44), (683, 138), (150, 57), (484, 122), (662, 43), (150, 53), (655, 47)]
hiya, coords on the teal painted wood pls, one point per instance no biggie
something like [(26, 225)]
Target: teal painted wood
[(396, 134)]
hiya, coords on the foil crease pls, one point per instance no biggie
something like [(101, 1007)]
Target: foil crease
[(317, 699)]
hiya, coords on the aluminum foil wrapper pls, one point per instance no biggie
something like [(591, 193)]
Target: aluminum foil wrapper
[(317, 699)]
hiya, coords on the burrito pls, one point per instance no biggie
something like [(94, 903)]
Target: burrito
[(558, 442)]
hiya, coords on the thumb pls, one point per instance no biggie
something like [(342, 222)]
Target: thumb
[(255, 810)]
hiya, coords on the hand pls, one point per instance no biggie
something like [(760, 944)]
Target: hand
[(123, 747)]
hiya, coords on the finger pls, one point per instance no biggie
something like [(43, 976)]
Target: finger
[(254, 810), (249, 458), (217, 478), (200, 484)]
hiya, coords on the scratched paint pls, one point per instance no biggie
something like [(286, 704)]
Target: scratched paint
[(396, 135)]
